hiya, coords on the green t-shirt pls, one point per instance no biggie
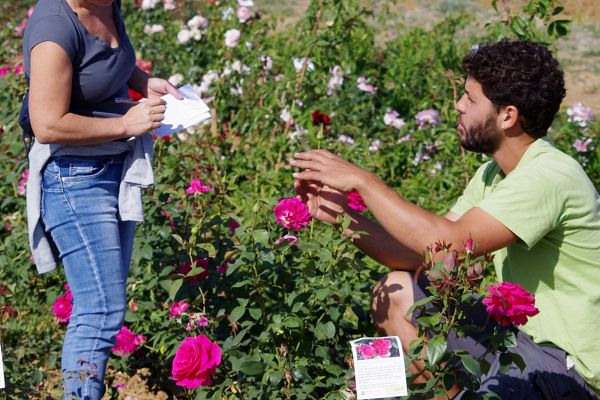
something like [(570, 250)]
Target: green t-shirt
[(551, 205)]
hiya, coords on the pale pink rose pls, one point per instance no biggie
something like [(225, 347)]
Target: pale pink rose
[(195, 362), (244, 14), (292, 213), (196, 320), (336, 80), (127, 342), (427, 118), (178, 308), (366, 351), (197, 186), (580, 114), (382, 347), (22, 185), (363, 85), (62, 307), (133, 306), (169, 5), (508, 303), (21, 27), (232, 38), (30, 11), (355, 201), (581, 146)]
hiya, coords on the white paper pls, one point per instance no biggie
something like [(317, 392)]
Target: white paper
[(1, 370), (181, 114), (379, 367)]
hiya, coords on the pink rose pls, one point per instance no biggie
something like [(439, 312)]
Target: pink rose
[(366, 351), (244, 14), (292, 239), (382, 347), (355, 201), (428, 118), (62, 307), (177, 308), (127, 342), (195, 362), (509, 303), (469, 246), (197, 186), (292, 213), (195, 279)]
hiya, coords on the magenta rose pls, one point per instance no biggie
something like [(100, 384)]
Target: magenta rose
[(197, 186), (382, 347), (127, 342), (195, 362), (200, 276), (178, 308), (508, 303), (292, 213), (355, 201), (62, 307), (366, 351)]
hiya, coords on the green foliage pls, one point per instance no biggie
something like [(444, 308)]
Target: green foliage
[(282, 313)]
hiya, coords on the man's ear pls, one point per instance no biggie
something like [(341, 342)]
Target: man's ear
[(509, 117)]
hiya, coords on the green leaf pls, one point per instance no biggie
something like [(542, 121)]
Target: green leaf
[(293, 322), (174, 288), (505, 363), (419, 303), (435, 349), (255, 313), (251, 368), (325, 331), (261, 236), (517, 360), (210, 249), (471, 364), (237, 313), (275, 377)]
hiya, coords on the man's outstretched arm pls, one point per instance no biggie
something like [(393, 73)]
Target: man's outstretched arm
[(410, 225)]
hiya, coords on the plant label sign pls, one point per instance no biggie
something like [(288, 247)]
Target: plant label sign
[(1, 370), (379, 367)]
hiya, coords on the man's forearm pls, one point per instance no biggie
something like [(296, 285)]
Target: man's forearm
[(378, 244), (412, 226)]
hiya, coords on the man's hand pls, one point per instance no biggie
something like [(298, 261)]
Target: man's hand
[(324, 203), (329, 169), (158, 87)]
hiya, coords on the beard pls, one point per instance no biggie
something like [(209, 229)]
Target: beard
[(482, 138)]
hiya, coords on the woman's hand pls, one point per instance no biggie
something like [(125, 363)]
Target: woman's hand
[(158, 87), (144, 116)]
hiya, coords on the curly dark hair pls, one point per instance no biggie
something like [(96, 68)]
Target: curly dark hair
[(519, 73)]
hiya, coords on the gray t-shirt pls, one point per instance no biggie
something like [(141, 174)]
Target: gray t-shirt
[(100, 73)]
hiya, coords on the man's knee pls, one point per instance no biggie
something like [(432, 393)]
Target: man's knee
[(392, 296)]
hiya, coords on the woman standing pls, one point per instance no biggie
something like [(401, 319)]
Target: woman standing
[(89, 163)]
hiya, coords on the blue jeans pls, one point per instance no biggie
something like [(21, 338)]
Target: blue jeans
[(80, 212)]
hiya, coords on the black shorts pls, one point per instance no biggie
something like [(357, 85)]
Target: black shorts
[(546, 375)]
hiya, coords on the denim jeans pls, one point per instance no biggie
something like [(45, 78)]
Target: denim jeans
[(80, 212)]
